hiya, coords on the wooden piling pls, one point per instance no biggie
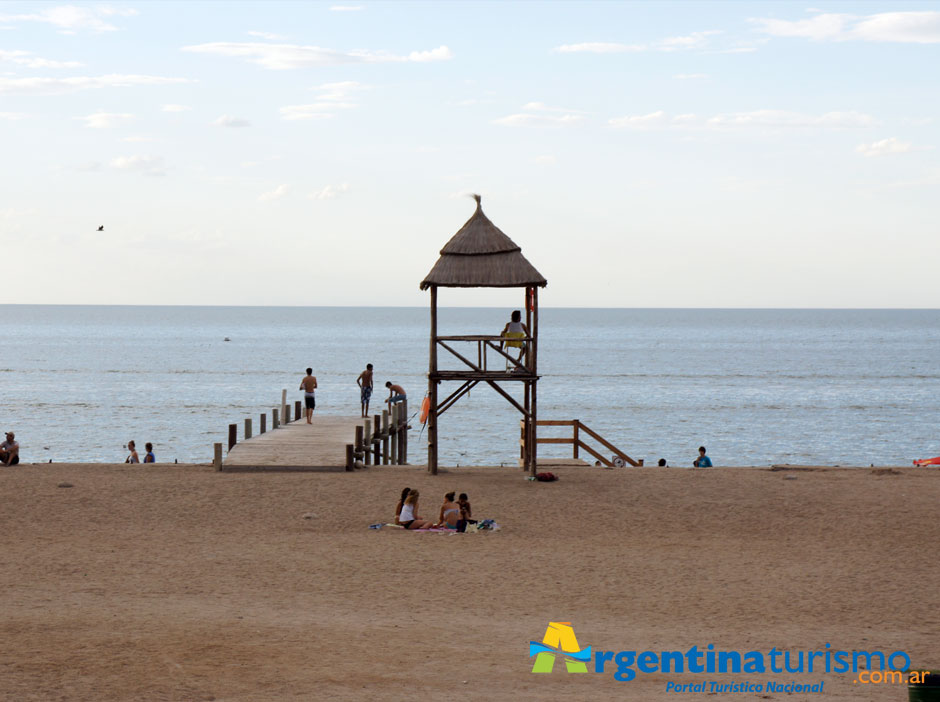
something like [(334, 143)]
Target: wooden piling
[(358, 450), (285, 416), (217, 457), (264, 423), (393, 430), (384, 437), (297, 412), (247, 428), (403, 442), (376, 438), (350, 457), (274, 423), (232, 435), (367, 442)]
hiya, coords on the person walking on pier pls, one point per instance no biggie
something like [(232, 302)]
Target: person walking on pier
[(308, 385), (364, 381)]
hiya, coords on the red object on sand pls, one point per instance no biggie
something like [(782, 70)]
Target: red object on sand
[(928, 462)]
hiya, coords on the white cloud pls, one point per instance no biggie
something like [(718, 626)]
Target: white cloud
[(267, 35), (329, 192), (290, 56), (26, 58), (70, 19), (532, 120), (175, 108), (695, 40), (229, 121), (690, 76), (106, 120), (332, 98), (346, 8), (542, 107), (54, 86), (13, 115), (905, 27), (598, 47), (753, 119), (276, 194), (891, 145), (149, 165)]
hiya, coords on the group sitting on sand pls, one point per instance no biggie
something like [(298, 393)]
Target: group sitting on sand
[(453, 515)]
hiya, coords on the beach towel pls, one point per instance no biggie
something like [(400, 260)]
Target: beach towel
[(546, 477), (928, 461)]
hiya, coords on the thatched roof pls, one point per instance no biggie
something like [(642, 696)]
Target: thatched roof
[(481, 256)]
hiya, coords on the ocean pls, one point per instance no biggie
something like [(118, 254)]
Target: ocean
[(756, 387)]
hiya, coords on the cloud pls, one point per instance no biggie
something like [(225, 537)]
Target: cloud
[(26, 58), (329, 192), (695, 40), (539, 114), (55, 86), (175, 108), (229, 121), (333, 97), (891, 145), (753, 119), (267, 35), (69, 19), (276, 194), (148, 165), (106, 120), (282, 57), (13, 115), (346, 8), (903, 27), (598, 47)]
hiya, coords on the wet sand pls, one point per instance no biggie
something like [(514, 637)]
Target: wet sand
[(179, 583)]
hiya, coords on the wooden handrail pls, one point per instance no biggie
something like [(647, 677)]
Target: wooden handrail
[(576, 442)]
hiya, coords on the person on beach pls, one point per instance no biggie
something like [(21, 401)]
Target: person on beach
[(133, 457), (466, 513), (396, 393), (702, 461), (149, 458), (364, 381), (308, 385), (662, 463), (10, 450), (450, 512), (409, 513), (515, 329), (401, 503)]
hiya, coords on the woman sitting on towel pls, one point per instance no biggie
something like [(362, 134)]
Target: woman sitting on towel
[(408, 517), (401, 503), (450, 512)]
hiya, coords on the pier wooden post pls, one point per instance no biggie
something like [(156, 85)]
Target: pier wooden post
[(432, 387), (376, 438), (358, 452), (403, 442), (350, 457), (247, 428), (367, 442), (264, 423), (393, 430), (232, 435), (217, 457), (274, 423), (577, 438), (297, 412), (285, 415), (385, 437)]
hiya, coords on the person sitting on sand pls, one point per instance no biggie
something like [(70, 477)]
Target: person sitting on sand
[(409, 513), (401, 503), (149, 458), (465, 512), (133, 457), (10, 450), (396, 393), (450, 512), (662, 463), (702, 461)]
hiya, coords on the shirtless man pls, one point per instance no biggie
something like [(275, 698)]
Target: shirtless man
[(364, 381), (396, 393), (308, 385), (10, 451)]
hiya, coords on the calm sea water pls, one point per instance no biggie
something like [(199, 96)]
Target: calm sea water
[(755, 386)]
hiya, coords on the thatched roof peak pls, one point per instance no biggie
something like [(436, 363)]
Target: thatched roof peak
[(481, 255)]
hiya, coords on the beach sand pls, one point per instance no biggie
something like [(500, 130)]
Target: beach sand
[(179, 583)]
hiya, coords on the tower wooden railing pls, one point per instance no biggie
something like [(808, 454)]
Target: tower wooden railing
[(578, 429)]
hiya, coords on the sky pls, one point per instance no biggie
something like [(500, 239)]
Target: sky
[(642, 154)]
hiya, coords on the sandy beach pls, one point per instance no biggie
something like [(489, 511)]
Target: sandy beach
[(179, 583)]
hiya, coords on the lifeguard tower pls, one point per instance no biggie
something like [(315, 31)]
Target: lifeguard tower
[(482, 256)]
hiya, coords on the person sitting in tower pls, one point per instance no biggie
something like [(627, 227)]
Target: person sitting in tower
[(515, 331)]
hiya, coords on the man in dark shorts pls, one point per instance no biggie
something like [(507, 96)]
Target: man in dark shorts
[(364, 381), (10, 451), (308, 385)]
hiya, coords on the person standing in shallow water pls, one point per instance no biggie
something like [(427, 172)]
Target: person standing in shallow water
[(308, 385)]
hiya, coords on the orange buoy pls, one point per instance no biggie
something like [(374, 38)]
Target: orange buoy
[(425, 409)]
